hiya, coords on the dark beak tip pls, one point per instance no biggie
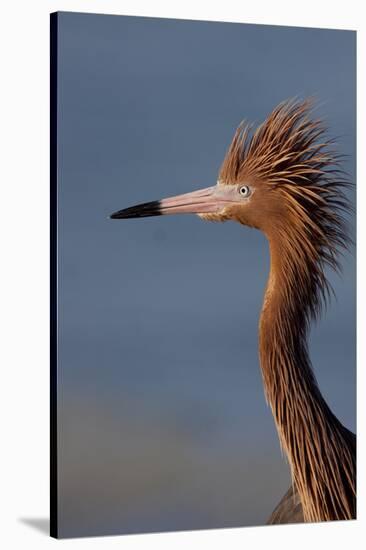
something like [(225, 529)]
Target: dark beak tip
[(139, 211), (120, 214)]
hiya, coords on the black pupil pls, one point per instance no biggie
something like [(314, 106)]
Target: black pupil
[(244, 190)]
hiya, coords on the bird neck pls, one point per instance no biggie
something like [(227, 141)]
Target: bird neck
[(319, 449)]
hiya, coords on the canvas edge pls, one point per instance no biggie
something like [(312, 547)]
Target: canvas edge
[(53, 275)]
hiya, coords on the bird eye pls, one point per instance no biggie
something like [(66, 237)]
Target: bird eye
[(244, 191)]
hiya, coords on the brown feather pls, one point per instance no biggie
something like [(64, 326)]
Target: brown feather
[(290, 154)]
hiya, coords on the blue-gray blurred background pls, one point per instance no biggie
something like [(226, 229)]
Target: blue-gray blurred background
[(163, 423)]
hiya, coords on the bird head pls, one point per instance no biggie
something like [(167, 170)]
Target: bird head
[(236, 196), (281, 174), (284, 179)]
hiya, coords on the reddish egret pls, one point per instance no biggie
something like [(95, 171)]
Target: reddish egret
[(284, 179)]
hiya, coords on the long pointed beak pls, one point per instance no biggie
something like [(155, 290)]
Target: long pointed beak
[(197, 202)]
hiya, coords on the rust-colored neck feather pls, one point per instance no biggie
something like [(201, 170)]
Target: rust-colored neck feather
[(301, 210), (321, 451)]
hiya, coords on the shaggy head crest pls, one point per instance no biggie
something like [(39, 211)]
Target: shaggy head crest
[(289, 153)]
